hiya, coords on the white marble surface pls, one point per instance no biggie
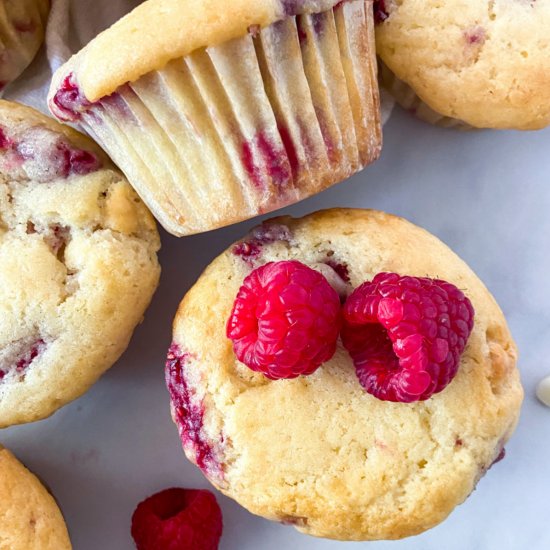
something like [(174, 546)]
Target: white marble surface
[(487, 195)]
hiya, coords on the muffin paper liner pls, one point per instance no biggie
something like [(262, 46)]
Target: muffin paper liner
[(243, 128), (406, 97), (22, 27)]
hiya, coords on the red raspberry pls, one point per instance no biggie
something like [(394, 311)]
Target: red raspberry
[(285, 320), (178, 519), (406, 334)]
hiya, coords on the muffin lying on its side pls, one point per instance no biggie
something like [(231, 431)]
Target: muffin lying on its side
[(219, 112)]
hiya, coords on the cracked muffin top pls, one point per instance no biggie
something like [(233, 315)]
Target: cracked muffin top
[(30, 517), (78, 264), (318, 451), (485, 63)]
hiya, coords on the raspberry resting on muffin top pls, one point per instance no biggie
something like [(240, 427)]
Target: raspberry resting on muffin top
[(285, 320), (406, 335)]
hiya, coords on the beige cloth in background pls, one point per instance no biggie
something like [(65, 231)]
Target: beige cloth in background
[(72, 24)]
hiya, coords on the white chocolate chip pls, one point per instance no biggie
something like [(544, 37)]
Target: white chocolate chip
[(543, 391)]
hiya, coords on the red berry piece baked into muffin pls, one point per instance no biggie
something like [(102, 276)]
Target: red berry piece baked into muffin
[(345, 373), (78, 264), (31, 519), (218, 114), (22, 28), (482, 64)]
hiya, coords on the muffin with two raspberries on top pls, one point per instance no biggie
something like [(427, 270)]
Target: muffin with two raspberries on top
[(345, 373)]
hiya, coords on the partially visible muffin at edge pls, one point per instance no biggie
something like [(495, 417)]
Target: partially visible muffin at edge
[(78, 264), (31, 519), (318, 452), (22, 30), (479, 64)]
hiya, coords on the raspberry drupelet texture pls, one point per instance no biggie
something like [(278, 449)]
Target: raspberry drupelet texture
[(177, 519), (285, 321), (406, 334)]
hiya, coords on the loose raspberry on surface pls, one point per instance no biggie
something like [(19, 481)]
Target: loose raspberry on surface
[(285, 320), (178, 519), (406, 334)]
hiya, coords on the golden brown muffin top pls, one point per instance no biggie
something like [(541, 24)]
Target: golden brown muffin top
[(484, 62), (29, 516), (318, 451), (158, 31)]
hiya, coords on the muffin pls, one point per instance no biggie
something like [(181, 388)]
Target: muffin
[(31, 519), (218, 115), (477, 64), (22, 28), (78, 264), (330, 453)]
